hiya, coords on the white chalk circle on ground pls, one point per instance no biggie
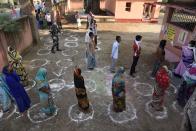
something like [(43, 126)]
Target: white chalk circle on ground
[(177, 108), (35, 116), (69, 53), (65, 63), (99, 42), (90, 85), (156, 114), (41, 52), (32, 84), (71, 44), (98, 48), (76, 115), (37, 63), (143, 89), (56, 85), (175, 88), (7, 115), (108, 81), (106, 70), (122, 117), (69, 85), (71, 38)]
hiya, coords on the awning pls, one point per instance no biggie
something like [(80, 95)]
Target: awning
[(186, 6)]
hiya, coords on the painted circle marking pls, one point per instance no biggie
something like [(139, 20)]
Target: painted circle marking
[(33, 83), (156, 114), (176, 107), (64, 63), (122, 117), (41, 52), (90, 85), (37, 63), (56, 85), (69, 53), (71, 38), (143, 89), (71, 44), (40, 115), (8, 116), (77, 116)]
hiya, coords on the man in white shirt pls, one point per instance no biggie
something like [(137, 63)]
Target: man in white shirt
[(87, 40), (114, 54)]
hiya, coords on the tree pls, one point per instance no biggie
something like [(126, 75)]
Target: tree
[(27, 8), (92, 5)]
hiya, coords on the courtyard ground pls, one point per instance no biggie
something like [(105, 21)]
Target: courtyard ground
[(137, 117)]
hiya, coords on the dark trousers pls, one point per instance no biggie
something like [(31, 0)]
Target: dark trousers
[(56, 44), (134, 64), (95, 40)]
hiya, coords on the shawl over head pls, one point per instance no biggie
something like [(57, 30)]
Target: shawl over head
[(41, 74)]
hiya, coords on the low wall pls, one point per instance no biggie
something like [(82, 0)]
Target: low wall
[(23, 43)]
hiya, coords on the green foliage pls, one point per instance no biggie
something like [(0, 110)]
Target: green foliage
[(12, 27), (9, 25), (4, 18)]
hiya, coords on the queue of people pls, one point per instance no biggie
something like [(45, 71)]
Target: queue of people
[(14, 77)]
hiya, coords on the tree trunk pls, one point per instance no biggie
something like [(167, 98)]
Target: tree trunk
[(28, 9), (93, 5)]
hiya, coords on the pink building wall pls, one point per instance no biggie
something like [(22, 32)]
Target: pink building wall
[(25, 42), (135, 13), (173, 52), (76, 5), (102, 4), (117, 7), (110, 5)]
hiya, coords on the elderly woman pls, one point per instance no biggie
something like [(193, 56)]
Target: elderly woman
[(5, 96), (16, 59), (16, 89), (118, 91), (80, 89), (162, 84), (44, 92)]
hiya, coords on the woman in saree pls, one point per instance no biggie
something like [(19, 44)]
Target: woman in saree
[(91, 53), (5, 96), (16, 89), (80, 89), (44, 92), (188, 86), (162, 84), (118, 91), (15, 58), (186, 59)]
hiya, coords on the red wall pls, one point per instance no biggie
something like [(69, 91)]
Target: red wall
[(26, 40)]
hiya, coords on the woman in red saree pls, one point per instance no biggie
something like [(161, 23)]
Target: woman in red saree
[(162, 84)]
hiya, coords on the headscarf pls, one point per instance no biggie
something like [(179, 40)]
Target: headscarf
[(120, 71), (77, 71), (41, 79), (41, 75), (118, 83)]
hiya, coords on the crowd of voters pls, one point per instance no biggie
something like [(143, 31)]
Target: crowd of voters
[(14, 78)]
